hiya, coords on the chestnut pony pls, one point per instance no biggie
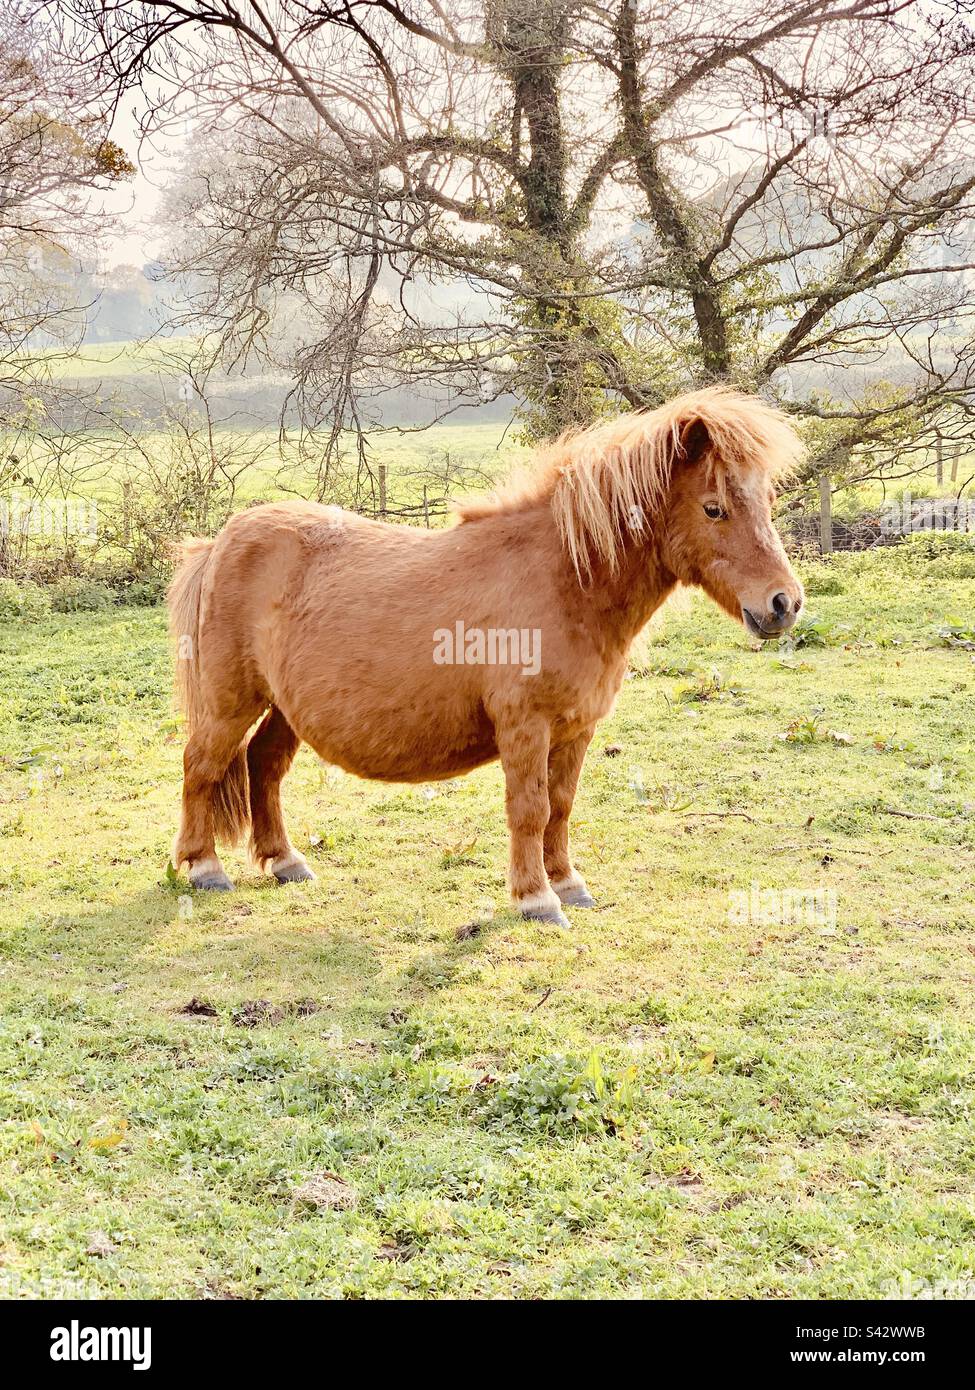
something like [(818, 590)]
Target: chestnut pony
[(409, 655)]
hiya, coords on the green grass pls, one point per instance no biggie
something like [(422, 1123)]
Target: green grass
[(666, 1101)]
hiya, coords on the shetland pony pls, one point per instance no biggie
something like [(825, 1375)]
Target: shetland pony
[(409, 655)]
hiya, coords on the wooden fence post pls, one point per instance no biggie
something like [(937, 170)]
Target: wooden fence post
[(126, 512), (825, 515), (939, 468), (382, 489)]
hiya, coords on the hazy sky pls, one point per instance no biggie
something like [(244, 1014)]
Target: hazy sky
[(136, 206)]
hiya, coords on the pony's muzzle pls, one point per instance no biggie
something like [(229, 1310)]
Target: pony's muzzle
[(781, 611)]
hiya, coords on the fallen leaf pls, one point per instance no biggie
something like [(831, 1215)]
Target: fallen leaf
[(111, 1139)]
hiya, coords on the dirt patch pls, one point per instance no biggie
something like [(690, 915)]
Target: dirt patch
[(326, 1192), (198, 1008), (398, 1253), (100, 1246), (304, 1008), (256, 1013)]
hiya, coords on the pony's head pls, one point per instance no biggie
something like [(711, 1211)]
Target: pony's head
[(718, 532), (695, 482)]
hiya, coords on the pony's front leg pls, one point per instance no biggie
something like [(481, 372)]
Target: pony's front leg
[(524, 757), (564, 766)]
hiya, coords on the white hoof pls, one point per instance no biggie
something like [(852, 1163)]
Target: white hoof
[(291, 868), (207, 875), (542, 907), (572, 891)]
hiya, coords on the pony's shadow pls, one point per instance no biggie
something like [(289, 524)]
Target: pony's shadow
[(179, 943)]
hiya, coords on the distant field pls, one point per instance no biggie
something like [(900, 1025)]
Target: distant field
[(148, 483), (488, 446), (108, 361), (491, 447), (327, 1092), (482, 453)]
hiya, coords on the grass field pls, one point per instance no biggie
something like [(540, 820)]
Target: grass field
[(671, 1099)]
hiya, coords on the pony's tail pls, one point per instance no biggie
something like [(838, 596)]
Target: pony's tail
[(183, 599), (231, 796)]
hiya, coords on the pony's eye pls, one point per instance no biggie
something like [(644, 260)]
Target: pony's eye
[(712, 510)]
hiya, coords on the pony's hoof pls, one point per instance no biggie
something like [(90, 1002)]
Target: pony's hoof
[(212, 882), (578, 897), (573, 892), (541, 914), (299, 874), (544, 908), (292, 868)]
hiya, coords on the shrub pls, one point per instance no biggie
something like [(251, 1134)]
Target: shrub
[(74, 595), (934, 545), (143, 593), (27, 600)]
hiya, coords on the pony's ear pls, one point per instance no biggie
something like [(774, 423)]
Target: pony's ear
[(692, 441)]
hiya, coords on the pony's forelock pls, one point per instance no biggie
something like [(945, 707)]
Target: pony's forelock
[(612, 478)]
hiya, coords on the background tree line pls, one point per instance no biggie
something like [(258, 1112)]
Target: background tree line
[(577, 207)]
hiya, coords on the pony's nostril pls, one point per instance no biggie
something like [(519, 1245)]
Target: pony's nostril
[(797, 605), (780, 605)]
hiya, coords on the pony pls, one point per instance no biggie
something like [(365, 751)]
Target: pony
[(410, 655)]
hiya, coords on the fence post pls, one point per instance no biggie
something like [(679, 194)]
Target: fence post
[(126, 512), (382, 489), (825, 515), (939, 468)]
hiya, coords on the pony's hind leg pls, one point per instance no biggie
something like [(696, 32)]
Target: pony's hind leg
[(564, 766), (214, 799), (524, 758), (269, 755)]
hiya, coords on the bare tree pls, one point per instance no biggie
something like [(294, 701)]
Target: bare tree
[(54, 159), (54, 156), (633, 197)]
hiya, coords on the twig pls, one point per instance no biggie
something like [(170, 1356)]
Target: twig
[(538, 1004), (722, 815), (911, 815)]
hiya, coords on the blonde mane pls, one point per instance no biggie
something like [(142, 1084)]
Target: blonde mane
[(609, 478)]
